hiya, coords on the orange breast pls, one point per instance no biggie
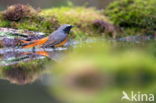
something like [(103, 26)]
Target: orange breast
[(61, 43)]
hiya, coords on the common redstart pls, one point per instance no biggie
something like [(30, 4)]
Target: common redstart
[(56, 39)]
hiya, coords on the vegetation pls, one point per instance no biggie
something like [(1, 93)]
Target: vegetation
[(18, 12), (25, 17), (135, 16), (83, 18)]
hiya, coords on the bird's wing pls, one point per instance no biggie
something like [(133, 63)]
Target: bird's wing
[(50, 42), (54, 39)]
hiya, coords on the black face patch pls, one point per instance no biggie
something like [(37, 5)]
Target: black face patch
[(67, 29)]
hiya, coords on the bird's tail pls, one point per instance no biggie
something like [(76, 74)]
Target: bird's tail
[(30, 44)]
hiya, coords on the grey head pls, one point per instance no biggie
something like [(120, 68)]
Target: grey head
[(65, 28)]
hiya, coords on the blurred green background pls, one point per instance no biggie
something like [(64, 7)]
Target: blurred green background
[(54, 3)]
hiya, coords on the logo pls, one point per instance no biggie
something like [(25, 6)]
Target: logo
[(137, 97)]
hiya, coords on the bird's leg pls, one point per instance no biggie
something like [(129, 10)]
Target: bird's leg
[(33, 49)]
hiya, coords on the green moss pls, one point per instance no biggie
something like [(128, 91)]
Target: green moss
[(49, 19), (79, 16), (73, 15), (135, 14), (4, 23), (36, 24)]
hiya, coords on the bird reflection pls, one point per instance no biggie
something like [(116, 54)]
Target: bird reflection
[(14, 56), (25, 66)]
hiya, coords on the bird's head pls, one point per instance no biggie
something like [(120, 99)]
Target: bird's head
[(65, 28)]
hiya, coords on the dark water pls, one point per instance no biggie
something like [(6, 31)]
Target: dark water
[(31, 93)]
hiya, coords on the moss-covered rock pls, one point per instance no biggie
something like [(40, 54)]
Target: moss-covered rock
[(25, 17), (81, 17), (47, 20), (134, 15)]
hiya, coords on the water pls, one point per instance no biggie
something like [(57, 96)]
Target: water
[(95, 70), (13, 56), (22, 76)]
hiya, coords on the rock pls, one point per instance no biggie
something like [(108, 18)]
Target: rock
[(105, 27)]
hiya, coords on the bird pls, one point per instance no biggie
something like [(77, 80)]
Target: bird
[(56, 39)]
